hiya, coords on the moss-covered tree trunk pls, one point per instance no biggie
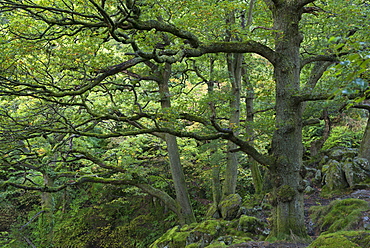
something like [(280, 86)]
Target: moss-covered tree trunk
[(288, 214), (186, 215), (46, 220), (365, 143)]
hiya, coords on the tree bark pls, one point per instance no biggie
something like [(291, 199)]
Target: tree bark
[(287, 195)]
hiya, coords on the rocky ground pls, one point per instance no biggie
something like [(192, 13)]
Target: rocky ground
[(310, 200), (315, 199)]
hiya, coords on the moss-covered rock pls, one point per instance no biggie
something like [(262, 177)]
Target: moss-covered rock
[(343, 169), (317, 180), (348, 170), (204, 233), (339, 215), (343, 153), (334, 176), (309, 190), (172, 238), (229, 206), (195, 235), (239, 240), (345, 239), (250, 224), (227, 240), (362, 163), (213, 212), (210, 233), (356, 170), (212, 227), (192, 246)]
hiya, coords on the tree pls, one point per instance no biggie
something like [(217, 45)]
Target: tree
[(162, 77), (138, 26)]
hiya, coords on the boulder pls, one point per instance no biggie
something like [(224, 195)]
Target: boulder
[(334, 176), (348, 170), (317, 180), (213, 212), (343, 153), (229, 206), (172, 238), (250, 224), (309, 190), (356, 170), (362, 163)]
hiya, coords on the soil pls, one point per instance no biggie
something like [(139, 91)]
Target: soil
[(310, 200)]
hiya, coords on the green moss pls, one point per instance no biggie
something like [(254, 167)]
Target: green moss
[(212, 212), (230, 206), (339, 215), (239, 240), (235, 232), (345, 239), (248, 223), (217, 244), (211, 227), (173, 237), (176, 237), (180, 237), (194, 245), (362, 238), (188, 227), (285, 193), (303, 238), (327, 193), (214, 233), (333, 242)]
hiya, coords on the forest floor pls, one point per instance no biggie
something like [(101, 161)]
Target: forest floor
[(314, 199)]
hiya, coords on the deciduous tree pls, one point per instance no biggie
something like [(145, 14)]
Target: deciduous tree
[(137, 28)]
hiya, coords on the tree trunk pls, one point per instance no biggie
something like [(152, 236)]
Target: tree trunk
[(318, 144), (178, 177), (46, 220), (216, 185), (234, 62), (255, 170), (249, 100), (216, 168), (365, 143), (287, 195)]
